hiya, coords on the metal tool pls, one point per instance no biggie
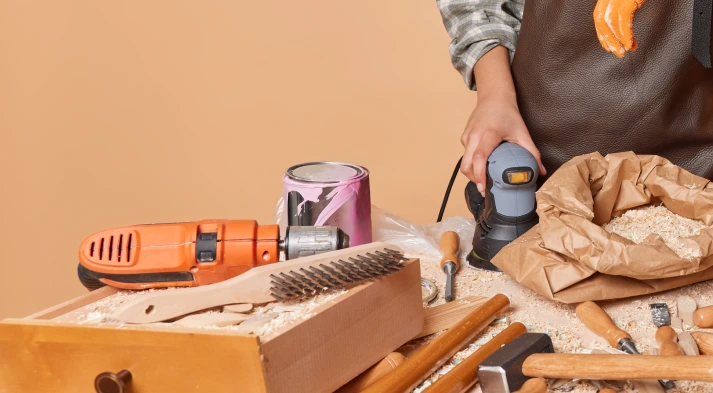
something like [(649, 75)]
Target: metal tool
[(501, 373), (450, 245), (193, 253), (508, 208), (292, 280), (599, 322), (660, 314), (429, 290)]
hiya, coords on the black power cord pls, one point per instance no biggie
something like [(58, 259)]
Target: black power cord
[(448, 190)]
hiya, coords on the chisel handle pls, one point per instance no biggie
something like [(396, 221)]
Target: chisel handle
[(373, 374), (463, 376), (704, 341), (619, 367), (666, 337), (534, 385), (599, 322), (415, 369), (703, 317), (450, 245)]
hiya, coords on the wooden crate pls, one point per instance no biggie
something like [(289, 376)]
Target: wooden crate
[(315, 355)]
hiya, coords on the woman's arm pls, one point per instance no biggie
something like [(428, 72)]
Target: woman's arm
[(484, 34), (496, 117)]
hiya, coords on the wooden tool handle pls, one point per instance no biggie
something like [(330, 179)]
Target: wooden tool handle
[(666, 337), (704, 341), (450, 245), (607, 390), (666, 333), (432, 356), (670, 348), (534, 385), (252, 286), (703, 317), (373, 374), (599, 322), (463, 376), (619, 367)]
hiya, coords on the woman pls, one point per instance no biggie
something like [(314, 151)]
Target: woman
[(574, 88)]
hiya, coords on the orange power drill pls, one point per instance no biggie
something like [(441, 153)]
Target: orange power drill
[(193, 253)]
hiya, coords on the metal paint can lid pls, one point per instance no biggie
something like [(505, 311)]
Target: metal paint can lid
[(326, 172)]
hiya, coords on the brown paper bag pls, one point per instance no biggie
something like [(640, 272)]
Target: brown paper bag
[(569, 257)]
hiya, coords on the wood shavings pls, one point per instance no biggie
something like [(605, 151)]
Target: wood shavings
[(285, 314), (638, 224), (569, 335)]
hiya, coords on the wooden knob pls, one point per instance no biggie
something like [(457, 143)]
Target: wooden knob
[(373, 374), (670, 348), (704, 341), (534, 385), (666, 333), (599, 322), (703, 317), (450, 245), (112, 383)]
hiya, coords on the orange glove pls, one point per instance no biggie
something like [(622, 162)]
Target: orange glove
[(614, 21)]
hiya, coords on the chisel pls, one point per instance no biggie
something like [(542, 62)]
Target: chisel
[(450, 245), (599, 322)]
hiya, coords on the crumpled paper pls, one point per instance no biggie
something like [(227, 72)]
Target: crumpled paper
[(569, 257)]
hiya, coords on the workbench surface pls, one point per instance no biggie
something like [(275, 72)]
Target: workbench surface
[(568, 334)]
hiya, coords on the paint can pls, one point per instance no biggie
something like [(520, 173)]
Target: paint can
[(330, 194)]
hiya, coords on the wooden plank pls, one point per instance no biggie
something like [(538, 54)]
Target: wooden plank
[(73, 304), (342, 340), (444, 316), (40, 357)]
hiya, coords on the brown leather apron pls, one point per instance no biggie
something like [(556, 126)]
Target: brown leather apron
[(577, 98)]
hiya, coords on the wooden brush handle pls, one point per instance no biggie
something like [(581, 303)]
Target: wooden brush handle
[(534, 385), (373, 374), (703, 317), (432, 356), (619, 367), (599, 322), (463, 376), (704, 341), (252, 286), (450, 245)]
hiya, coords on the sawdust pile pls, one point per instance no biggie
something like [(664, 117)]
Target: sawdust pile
[(638, 224)]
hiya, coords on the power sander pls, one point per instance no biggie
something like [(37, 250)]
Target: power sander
[(194, 253), (508, 208)]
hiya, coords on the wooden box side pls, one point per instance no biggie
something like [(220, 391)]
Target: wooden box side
[(41, 356), (339, 342)]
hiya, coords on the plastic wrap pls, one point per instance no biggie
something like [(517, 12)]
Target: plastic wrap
[(413, 239)]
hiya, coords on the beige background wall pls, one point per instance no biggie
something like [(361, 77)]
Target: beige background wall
[(124, 112)]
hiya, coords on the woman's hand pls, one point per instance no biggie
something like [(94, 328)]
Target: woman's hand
[(496, 117)]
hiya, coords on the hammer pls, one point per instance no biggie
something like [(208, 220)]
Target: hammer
[(529, 355)]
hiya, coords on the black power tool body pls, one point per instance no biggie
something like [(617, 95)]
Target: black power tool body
[(508, 208)]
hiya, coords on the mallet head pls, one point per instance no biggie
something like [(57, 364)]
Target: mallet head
[(502, 371)]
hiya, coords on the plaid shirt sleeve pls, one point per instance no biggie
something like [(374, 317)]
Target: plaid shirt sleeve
[(476, 27)]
